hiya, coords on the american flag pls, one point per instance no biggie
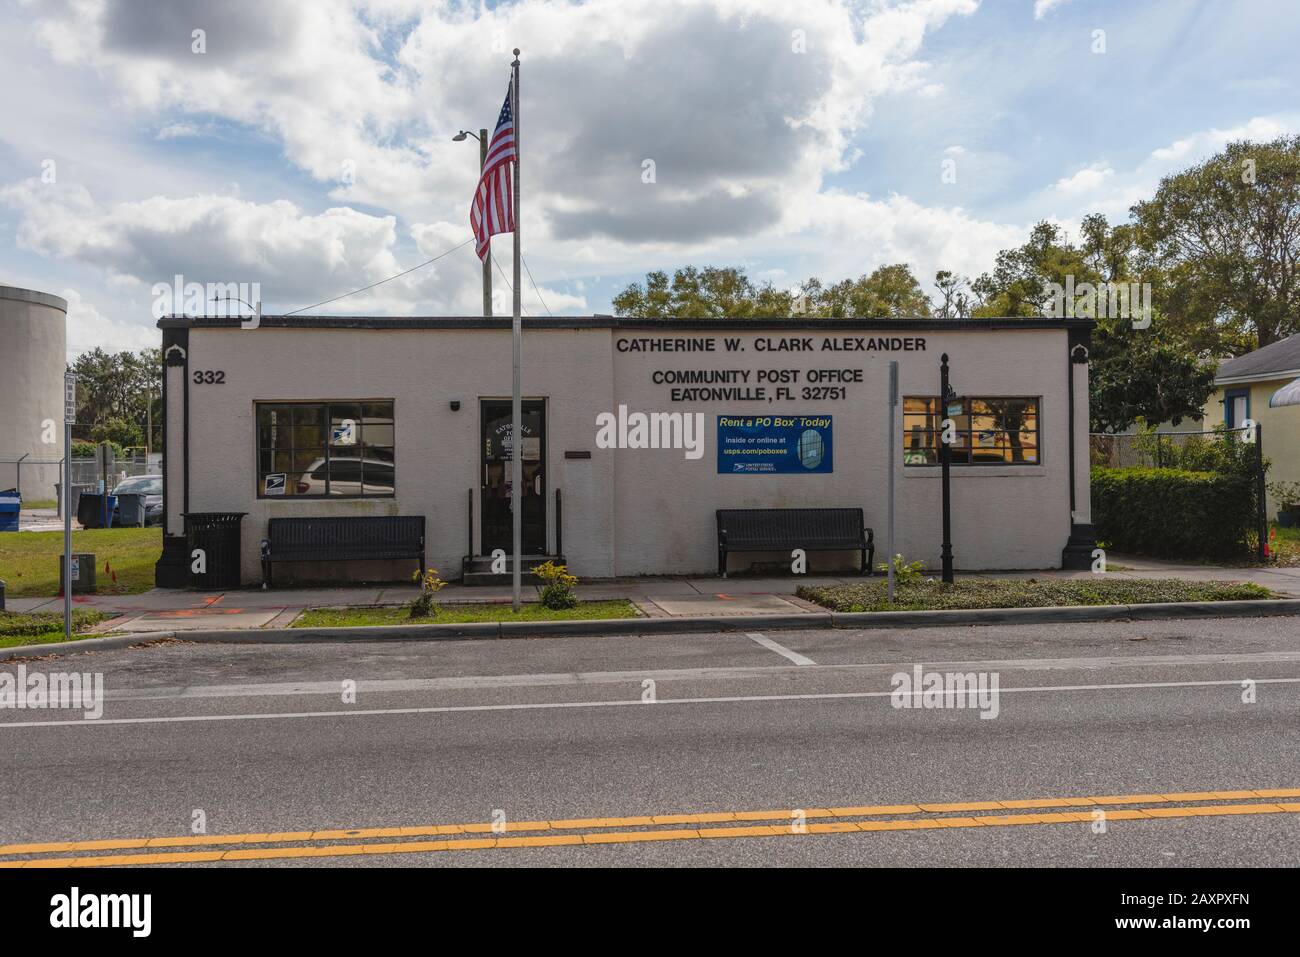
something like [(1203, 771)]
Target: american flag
[(493, 209)]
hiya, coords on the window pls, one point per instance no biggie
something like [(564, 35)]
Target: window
[(989, 431), (1236, 407), (325, 449)]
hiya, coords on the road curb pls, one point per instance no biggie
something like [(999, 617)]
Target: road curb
[(107, 643), (1064, 614), (471, 631), (515, 629)]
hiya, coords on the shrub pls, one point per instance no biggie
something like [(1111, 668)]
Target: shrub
[(424, 605), (1172, 513), (1287, 495), (904, 571), (1221, 451), (557, 592)]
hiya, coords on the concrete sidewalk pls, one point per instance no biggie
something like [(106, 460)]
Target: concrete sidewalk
[(165, 610)]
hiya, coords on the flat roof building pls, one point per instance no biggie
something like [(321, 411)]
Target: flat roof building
[(634, 433)]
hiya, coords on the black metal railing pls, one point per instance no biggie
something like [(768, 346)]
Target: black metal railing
[(559, 524)]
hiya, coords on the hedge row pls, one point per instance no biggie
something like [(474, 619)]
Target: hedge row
[(1171, 513)]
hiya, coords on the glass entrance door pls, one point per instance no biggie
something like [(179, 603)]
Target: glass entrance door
[(497, 448)]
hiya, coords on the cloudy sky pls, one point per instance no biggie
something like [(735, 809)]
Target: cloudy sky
[(306, 146)]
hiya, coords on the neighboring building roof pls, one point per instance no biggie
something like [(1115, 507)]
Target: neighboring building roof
[(611, 322), (31, 295), (1278, 360)]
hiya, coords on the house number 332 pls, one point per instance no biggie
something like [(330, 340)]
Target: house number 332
[(209, 377)]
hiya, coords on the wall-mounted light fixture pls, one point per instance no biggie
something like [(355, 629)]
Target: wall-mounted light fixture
[(455, 405)]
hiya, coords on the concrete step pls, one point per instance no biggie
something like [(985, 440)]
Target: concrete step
[(478, 571)]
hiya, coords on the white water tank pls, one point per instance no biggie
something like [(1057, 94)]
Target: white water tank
[(33, 358)]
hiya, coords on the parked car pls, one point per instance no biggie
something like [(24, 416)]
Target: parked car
[(345, 477), (151, 487)]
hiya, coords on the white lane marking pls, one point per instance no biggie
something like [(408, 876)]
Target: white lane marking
[(553, 705), (779, 648), (552, 679)]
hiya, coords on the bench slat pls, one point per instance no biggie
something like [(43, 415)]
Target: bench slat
[(344, 538), (812, 529)]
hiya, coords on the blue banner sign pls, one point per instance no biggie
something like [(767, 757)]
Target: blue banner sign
[(774, 444)]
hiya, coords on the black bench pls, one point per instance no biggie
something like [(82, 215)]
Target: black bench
[(346, 538), (779, 529)]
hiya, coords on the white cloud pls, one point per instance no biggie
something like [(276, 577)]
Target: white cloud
[(1043, 7), (88, 328), (1087, 180), (1198, 146), (174, 131), (363, 95)]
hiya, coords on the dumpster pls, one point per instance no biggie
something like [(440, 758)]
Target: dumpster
[(130, 509), (10, 503), (217, 535), (92, 511), (83, 573)]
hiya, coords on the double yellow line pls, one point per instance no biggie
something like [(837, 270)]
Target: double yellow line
[(283, 845)]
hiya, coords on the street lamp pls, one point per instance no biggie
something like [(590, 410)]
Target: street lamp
[(481, 136)]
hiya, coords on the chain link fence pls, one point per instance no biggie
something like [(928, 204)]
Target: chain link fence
[(35, 476), (1193, 450)]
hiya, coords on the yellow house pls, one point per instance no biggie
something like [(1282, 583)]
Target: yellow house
[(1252, 387)]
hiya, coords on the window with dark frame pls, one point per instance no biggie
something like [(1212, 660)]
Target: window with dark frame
[(325, 449), (990, 431)]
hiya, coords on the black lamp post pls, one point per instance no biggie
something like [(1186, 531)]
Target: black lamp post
[(946, 394)]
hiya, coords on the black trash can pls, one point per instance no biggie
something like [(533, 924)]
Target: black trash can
[(95, 510), (217, 534), (130, 510)]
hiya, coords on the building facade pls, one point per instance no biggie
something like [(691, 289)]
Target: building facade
[(370, 416), (1244, 388)]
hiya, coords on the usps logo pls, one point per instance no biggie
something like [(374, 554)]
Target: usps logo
[(344, 433)]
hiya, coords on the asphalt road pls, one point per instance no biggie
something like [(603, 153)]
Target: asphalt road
[(554, 740)]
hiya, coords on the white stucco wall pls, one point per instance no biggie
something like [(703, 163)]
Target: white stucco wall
[(644, 511), (32, 363)]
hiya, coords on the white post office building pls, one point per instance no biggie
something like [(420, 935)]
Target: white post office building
[(635, 432)]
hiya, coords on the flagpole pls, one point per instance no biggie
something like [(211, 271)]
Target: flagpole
[(516, 416)]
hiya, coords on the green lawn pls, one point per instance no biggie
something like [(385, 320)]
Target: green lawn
[(29, 561), (459, 614), (40, 503), (1023, 593), (42, 627)]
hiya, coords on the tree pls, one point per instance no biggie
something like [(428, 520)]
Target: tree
[(115, 392), (955, 302), (1154, 373), (1228, 233), (708, 293), (715, 293), (890, 292)]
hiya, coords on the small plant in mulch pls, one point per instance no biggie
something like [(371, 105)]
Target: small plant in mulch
[(424, 605), (557, 590), (904, 571)]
